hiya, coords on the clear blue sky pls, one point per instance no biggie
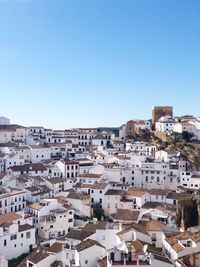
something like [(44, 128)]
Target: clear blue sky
[(84, 63)]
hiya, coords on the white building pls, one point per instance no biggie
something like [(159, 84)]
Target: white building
[(12, 200), (17, 235), (39, 153), (165, 124), (181, 127), (50, 218), (181, 245), (12, 132), (190, 180), (68, 168), (90, 251)]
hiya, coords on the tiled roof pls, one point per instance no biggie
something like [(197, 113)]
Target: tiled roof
[(103, 262), (138, 247), (29, 167), (2, 175), (154, 225), (87, 244), (25, 227), (78, 234), (9, 217), (76, 195), (158, 192), (36, 257), (56, 247), (101, 225), (135, 192), (174, 240), (35, 206), (99, 185), (55, 180), (126, 215), (114, 192), (89, 227), (90, 175)]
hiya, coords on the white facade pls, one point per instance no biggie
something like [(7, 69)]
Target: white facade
[(165, 124), (190, 180), (51, 219), (39, 153), (12, 134), (12, 201), (17, 237)]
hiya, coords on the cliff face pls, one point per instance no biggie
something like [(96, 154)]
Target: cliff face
[(184, 144)]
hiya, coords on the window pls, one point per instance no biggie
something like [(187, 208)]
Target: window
[(86, 262), (70, 212), (51, 226), (5, 242), (70, 220), (100, 192), (13, 237), (22, 235), (28, 235)]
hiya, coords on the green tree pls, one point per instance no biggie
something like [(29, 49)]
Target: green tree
[(98, 212)]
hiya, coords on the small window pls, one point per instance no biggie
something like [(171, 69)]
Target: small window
[(13, 237), (28, 235)]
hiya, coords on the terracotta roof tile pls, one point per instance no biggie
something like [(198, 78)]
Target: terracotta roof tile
[(87, 244)]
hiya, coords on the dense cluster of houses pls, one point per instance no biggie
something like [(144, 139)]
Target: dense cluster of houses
[(55, 183)]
